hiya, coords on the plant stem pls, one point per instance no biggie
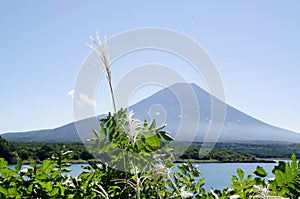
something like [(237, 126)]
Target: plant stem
[(112, 95)]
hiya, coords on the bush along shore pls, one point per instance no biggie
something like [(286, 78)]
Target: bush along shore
[(38, 152)]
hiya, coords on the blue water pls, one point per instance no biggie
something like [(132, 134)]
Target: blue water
[(217, 175)]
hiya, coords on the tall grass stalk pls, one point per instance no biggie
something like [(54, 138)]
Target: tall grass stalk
[(101, 49)]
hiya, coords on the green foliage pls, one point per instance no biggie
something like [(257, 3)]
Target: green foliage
[(37, 181), (34, 151), (128, 143), (242, 186), (6, 151), (261, 149), (287, 179), (148, 172), (52, 180), (219, 155)]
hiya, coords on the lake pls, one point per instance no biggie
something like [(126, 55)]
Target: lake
[(217, 175)]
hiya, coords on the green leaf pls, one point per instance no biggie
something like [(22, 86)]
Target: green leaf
[(3, 162), (189, 164), (48, 186), (95, 133), (3, 190), (152, 126), (153, 141), (278, 177), (103, 132), (260, 172), (19, 165), (280, 166), (200, 182), (166, 135), (160, 128), (294, 162), (240, 173), (54, 192), (29, 189), (111, 123), (181, 169)]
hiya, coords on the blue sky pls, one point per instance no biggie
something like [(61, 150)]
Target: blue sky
[(254, 44)]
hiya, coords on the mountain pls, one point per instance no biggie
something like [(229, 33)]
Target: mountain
[(175, 106)]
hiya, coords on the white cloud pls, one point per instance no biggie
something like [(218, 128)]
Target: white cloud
[(82, 100), (85, 100), (71, 93)]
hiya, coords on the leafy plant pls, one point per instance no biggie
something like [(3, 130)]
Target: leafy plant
[(287, 179)]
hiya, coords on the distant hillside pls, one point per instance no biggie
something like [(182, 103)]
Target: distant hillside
[(238, 125), (66, 133)]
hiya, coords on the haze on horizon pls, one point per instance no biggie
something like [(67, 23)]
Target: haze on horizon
[(255, 46)]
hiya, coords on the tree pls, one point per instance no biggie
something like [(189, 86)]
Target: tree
[(5, 150)]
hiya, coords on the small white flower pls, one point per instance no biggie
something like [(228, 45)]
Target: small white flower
[(69, 182), (229, 190), (214, 194), (271, 179), (261, 191), (235, 197), (186, 194), (24, 170)]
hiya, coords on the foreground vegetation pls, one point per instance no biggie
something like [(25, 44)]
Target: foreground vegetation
[(141, 175), (52, 179)]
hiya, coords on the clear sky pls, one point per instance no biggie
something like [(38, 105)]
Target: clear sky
[(254, 44)]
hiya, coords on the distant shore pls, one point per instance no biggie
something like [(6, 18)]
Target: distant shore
[(217, 161), (80, 161)]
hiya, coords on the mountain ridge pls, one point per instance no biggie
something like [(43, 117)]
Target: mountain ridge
[(164, 106)]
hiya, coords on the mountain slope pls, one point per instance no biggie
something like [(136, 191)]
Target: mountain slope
[(165, 107)]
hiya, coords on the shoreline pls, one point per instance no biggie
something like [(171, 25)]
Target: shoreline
[(217, 161), (176, 161)]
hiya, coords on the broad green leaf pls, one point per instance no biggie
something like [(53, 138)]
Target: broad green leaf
[(9, 172), (200, 182), (3, 190), (3, 162), (234, 179), (29, 189), (19, 165), (278, 177), (294, 162), (54, 192), (181, 169), (240, 173), (166, 136), (280, 166), (161, 192), (260, 172), (153, 141), (152, 126), (12, 191), (110, 123)]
